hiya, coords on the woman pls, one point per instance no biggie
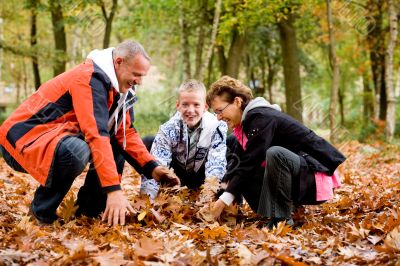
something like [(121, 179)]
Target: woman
[(282, 163)]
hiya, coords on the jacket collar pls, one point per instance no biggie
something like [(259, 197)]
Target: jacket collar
[(103, 58)]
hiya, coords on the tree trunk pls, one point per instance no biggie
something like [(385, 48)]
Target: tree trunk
[(185, 42), (60, 39), (108, 20), (235, 53), (210, 71), (368, 101), (221, 59), (376, 45), (263, 78), (35, 63), (341, 106), (397, 90), (1, 47), (391, 99), (270, 79), (211, 46), (382, 94), (291, 67), (334, 64), (24, 78), (200, 38), (250, 77)]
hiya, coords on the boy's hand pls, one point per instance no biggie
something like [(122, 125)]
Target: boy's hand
[(163, 174)]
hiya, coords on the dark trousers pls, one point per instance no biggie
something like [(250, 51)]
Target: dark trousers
[(281, 184), (91, 197), (71, 158)]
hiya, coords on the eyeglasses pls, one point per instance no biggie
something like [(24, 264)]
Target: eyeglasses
[(219, 112)]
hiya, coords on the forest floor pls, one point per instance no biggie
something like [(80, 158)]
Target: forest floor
[(361, 225)]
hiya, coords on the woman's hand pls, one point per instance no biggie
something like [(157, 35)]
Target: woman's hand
[(217, 208)]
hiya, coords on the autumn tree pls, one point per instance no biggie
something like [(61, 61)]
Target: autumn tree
[(60, 38), (211, 45), (376, 43), (334, 64), (291, 65), (185, 45), (108, 19), (391, 99), (35, 63)]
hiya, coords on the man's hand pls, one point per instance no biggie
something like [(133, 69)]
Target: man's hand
[(116, 209), (217, 208), (163, 174)]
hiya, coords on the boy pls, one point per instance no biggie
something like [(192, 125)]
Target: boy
[(192, 142)]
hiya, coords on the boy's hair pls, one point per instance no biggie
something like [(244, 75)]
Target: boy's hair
[(192, 85), (228, 88)]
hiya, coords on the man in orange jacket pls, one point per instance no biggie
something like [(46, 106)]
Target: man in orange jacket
[(83, 114)]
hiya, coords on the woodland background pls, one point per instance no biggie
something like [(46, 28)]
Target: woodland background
[(338, 72), (334, 65)]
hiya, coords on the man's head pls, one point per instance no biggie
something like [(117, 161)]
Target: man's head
[(131, 63), (191, 102)]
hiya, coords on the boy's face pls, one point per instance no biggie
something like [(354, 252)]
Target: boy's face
[(192, 105)]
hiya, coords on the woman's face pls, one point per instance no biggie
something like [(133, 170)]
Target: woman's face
[(231, 113)]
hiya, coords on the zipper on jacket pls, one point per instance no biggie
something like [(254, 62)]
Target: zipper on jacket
[(33, 141)]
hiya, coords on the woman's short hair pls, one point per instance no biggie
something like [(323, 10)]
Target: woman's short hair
[(228, 88)]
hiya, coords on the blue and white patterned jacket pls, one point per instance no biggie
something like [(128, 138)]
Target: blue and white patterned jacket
[(171, 141)]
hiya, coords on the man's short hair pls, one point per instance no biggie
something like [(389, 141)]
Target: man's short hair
[(192, 85), (129, 49)]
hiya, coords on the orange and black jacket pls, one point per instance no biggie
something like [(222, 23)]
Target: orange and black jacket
[(75, 103)]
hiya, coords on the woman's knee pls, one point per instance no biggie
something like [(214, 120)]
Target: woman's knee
[(274, 152)]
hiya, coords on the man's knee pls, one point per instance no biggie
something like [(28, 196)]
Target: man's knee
[(79, 152)]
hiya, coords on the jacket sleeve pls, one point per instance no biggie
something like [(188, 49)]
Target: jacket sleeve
[(260, 132), (216, 158), (162, 146), (89, 99), (135, 152)]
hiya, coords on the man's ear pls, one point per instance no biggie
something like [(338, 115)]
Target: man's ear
[(207, 107), (118, 61), (177, 103)]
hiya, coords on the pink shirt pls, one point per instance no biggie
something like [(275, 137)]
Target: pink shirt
[(323, 182)]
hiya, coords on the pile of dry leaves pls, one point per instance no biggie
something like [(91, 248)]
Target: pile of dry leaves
[(360, 226)]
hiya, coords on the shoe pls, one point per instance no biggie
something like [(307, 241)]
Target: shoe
[(43, 220), (275, 220), (88, 213)]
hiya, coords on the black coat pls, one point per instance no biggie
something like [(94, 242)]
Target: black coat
[(265, 127)]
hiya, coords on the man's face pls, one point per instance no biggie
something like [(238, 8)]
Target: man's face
[(130, 72), (192, 105)]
